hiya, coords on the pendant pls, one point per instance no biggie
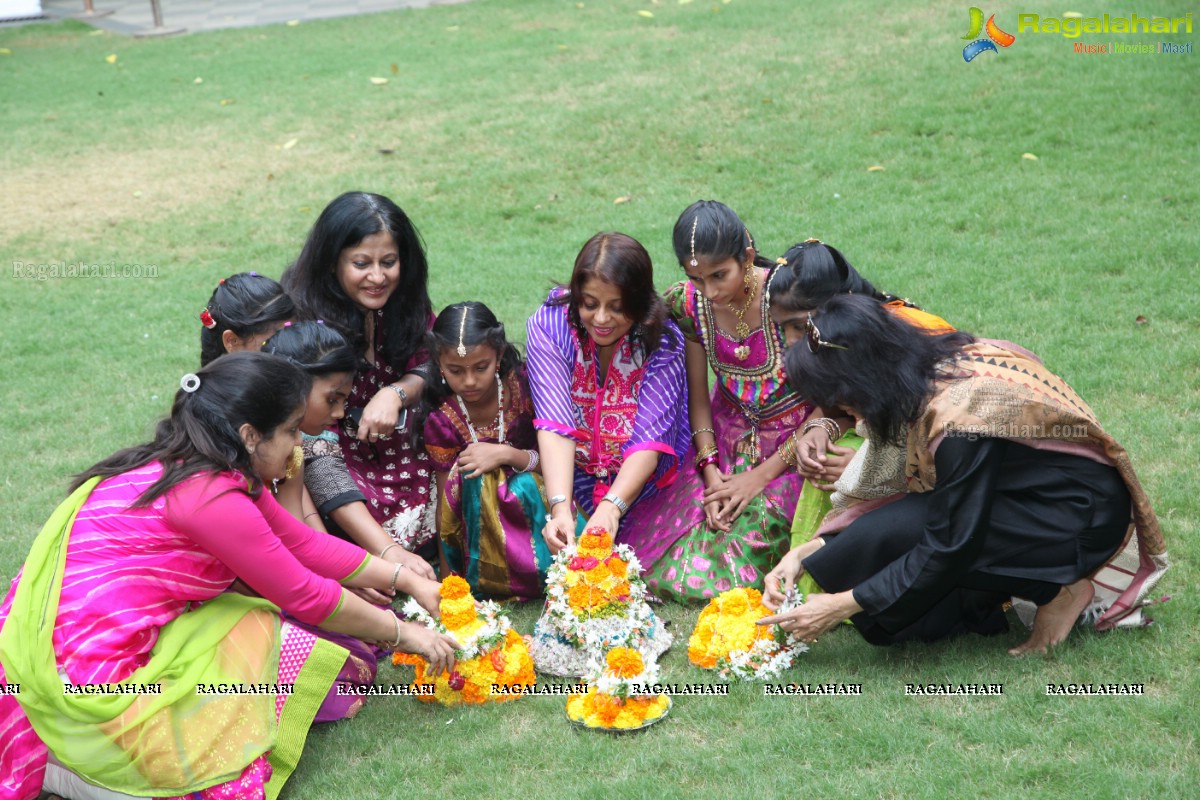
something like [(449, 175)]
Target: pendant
[(742, 352), (743, 330)]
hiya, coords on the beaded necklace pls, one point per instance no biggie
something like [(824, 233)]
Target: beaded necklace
[(499, 412)]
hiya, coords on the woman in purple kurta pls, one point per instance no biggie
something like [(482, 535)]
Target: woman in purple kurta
[(606, 370)]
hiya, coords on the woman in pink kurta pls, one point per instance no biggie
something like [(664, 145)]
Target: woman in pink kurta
[(150, 548)]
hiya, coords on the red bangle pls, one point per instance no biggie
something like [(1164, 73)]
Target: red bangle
[(709, 459)]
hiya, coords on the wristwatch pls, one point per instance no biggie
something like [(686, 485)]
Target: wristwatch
[(616, 500)]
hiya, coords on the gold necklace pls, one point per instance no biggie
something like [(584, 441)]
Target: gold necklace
[(742, 330)]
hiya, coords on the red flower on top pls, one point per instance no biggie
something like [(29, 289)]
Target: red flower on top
[(206, 319), (582, 563)]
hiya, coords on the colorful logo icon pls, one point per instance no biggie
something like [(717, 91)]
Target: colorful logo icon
[(995, 36)]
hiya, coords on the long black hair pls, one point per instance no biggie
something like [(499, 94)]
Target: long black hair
[(711, 230), (620, 260), (246, 303), (201, 435), (314, 347), (479, 327), (811, 272), (312, 279), (884, 368)]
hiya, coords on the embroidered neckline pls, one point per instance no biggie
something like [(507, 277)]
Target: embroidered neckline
[(709, 331)]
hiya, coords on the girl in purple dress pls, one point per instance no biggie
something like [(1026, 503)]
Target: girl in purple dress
[(363, 271), (607, 374), (480, 436)]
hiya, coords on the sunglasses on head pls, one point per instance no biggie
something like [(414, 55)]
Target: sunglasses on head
[(815, 342)]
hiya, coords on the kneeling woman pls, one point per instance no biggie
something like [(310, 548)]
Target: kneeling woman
[(606, 369), (1014, 490), (126, 587)]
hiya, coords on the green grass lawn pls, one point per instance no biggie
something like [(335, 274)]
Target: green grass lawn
[(509, 130)]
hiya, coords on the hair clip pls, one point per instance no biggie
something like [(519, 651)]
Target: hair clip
[(320, 322), (695, 221), (190, 382), (253, 274), (462, 327), (287, 324), (221, 282), (813, 241), (206, 319), (781, 261)]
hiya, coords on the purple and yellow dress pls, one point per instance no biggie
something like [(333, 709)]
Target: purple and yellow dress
[(491, 526), (642, 405), (754, 411)]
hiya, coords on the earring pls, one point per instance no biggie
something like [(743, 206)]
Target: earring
[(748, 278)]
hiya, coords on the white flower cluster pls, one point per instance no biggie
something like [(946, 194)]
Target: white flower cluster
[(495, 627), (767, 658), (613, 685)]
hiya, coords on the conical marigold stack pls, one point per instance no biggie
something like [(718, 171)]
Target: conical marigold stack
[(492, 652), (595, 600)]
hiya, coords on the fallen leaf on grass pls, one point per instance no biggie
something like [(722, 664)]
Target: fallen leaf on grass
[(4, 51), (289, 144), (379, 81), (644, 13), (1029, 156), (1141, 320), (625, 198), (875, 168), (227, 101), (198, 80), (111, 58), (395, 69)]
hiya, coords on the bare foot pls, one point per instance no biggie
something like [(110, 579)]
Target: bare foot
[(1055, 619)]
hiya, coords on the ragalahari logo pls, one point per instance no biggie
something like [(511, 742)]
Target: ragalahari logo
[(995, 36)]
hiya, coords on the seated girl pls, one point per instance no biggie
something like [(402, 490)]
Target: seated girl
[(1013, 490), (327, 357), (736, 517), (243, 312), (127, 585), (606, 370), (481, 439)]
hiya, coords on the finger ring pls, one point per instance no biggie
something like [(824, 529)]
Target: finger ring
[(374, 435)]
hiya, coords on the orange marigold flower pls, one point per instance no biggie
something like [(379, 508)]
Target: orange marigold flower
[(498, 659), (459, 620), (454, 587), (625, 662), (616, 566), (580, 597)]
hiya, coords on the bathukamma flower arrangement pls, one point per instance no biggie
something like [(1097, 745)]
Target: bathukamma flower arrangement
[(595, 600), (728, 640), (618, 695), (492, 652)]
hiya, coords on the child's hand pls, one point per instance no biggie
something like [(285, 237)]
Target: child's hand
[(480, 458)]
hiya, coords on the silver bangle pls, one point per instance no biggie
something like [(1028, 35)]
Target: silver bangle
[(533, 462), (396, 644), (389, 547), (555, 500), (616, 500), (395, 575)]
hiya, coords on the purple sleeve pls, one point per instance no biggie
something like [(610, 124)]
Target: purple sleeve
[(550, 357), (288, 563), (662, 400), (442, 441)]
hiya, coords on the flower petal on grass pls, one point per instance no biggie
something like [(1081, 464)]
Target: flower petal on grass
[(875, 168), (378, 81), (625, 198), (289, 144), (1029, 156), (111, 58), (647, 14)]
